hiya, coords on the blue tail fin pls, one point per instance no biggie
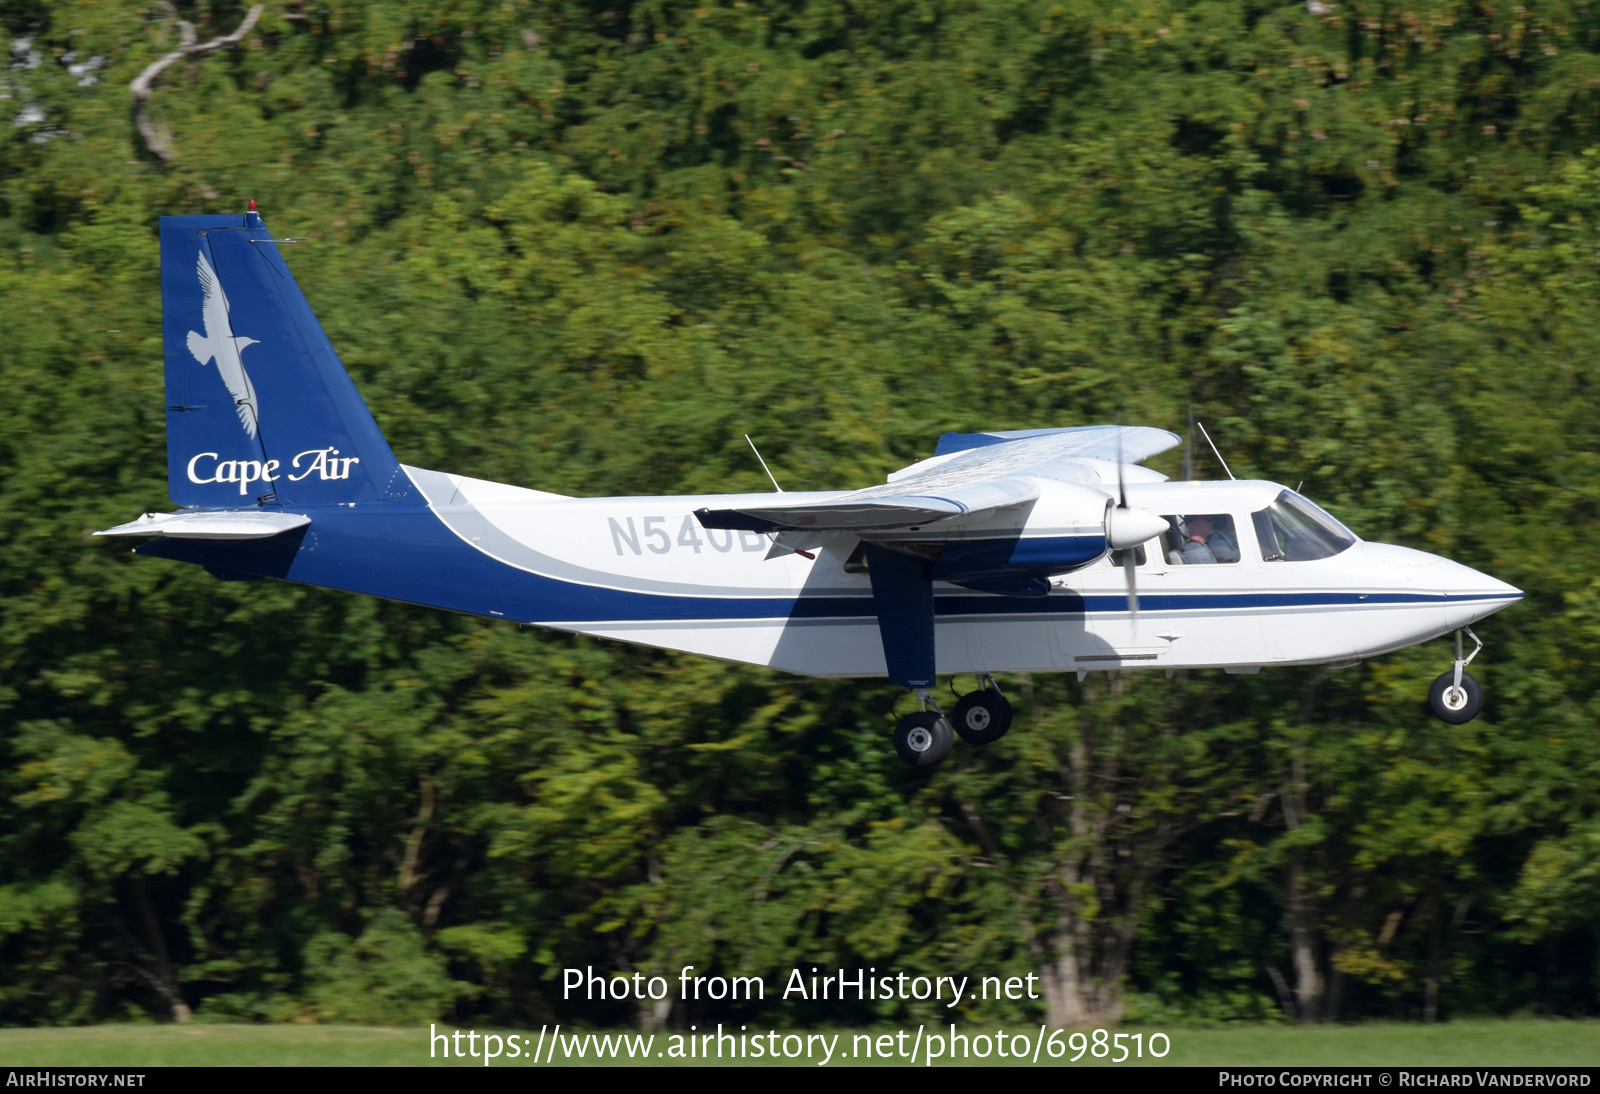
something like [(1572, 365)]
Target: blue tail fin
[(259, 408)]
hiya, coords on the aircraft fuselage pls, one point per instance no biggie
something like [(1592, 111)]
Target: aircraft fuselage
[(642, 570)]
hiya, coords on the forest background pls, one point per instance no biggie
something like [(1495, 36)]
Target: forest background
[(585, 247)]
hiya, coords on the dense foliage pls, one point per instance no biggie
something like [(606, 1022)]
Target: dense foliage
[(585, 247)]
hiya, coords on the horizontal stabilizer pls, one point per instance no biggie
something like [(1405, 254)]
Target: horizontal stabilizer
[(870, 511), (240, 525)]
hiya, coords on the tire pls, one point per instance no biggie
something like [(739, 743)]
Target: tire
[(982, 717), (1460, 707), (923, 739)]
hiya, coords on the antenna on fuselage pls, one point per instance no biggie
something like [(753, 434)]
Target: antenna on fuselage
[(1214, 451), (764, 466)]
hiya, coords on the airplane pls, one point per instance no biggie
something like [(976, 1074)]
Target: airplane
[(1036, 550)]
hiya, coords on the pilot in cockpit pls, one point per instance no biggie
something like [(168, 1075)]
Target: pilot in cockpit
[(1207, 540)]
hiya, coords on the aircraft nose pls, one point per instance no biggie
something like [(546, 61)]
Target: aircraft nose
[(1470, 595), (1471, 586), (1464, 583), (1467, 594)]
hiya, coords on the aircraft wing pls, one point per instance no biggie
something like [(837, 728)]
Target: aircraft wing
[(1128, 443), (968, 473), (874, 509)]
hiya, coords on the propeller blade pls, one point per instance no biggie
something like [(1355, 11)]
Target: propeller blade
[(1188, 448), (1122, 488), (1133, 590), (1123, 520)]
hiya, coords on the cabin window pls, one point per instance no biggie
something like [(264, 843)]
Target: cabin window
[(1120, 558), (1293, 529), (1199, 539)]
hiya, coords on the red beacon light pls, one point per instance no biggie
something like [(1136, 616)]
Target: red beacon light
[(252, 205)]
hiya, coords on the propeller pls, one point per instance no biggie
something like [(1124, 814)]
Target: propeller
[(1128, 558), (1127, 528)]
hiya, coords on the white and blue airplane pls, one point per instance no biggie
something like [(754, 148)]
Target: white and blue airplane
[(1043, 550)]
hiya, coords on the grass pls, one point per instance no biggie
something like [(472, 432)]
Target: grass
[(1464, 1043)]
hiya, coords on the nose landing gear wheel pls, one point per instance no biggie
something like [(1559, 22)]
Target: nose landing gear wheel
[(1454, 705), (982, 717), (923, 739)]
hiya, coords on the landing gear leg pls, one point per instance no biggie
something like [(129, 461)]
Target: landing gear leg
[(1455, 696), (983, 716), (924, 738)]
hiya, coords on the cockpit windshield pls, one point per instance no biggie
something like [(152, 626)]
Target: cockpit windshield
[(1293, 529)]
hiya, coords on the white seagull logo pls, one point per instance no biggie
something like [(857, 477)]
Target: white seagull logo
[(219, 343)]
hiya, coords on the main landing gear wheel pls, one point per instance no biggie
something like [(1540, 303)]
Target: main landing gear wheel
[(1455, 697), (923, 738), (1456, 705), (982, 717)]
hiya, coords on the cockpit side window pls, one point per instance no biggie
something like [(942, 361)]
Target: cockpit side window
[(1119, 558), (1293, 529), (1201, 539)]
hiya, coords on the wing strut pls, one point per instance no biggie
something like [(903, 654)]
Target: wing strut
[(902, 595)]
